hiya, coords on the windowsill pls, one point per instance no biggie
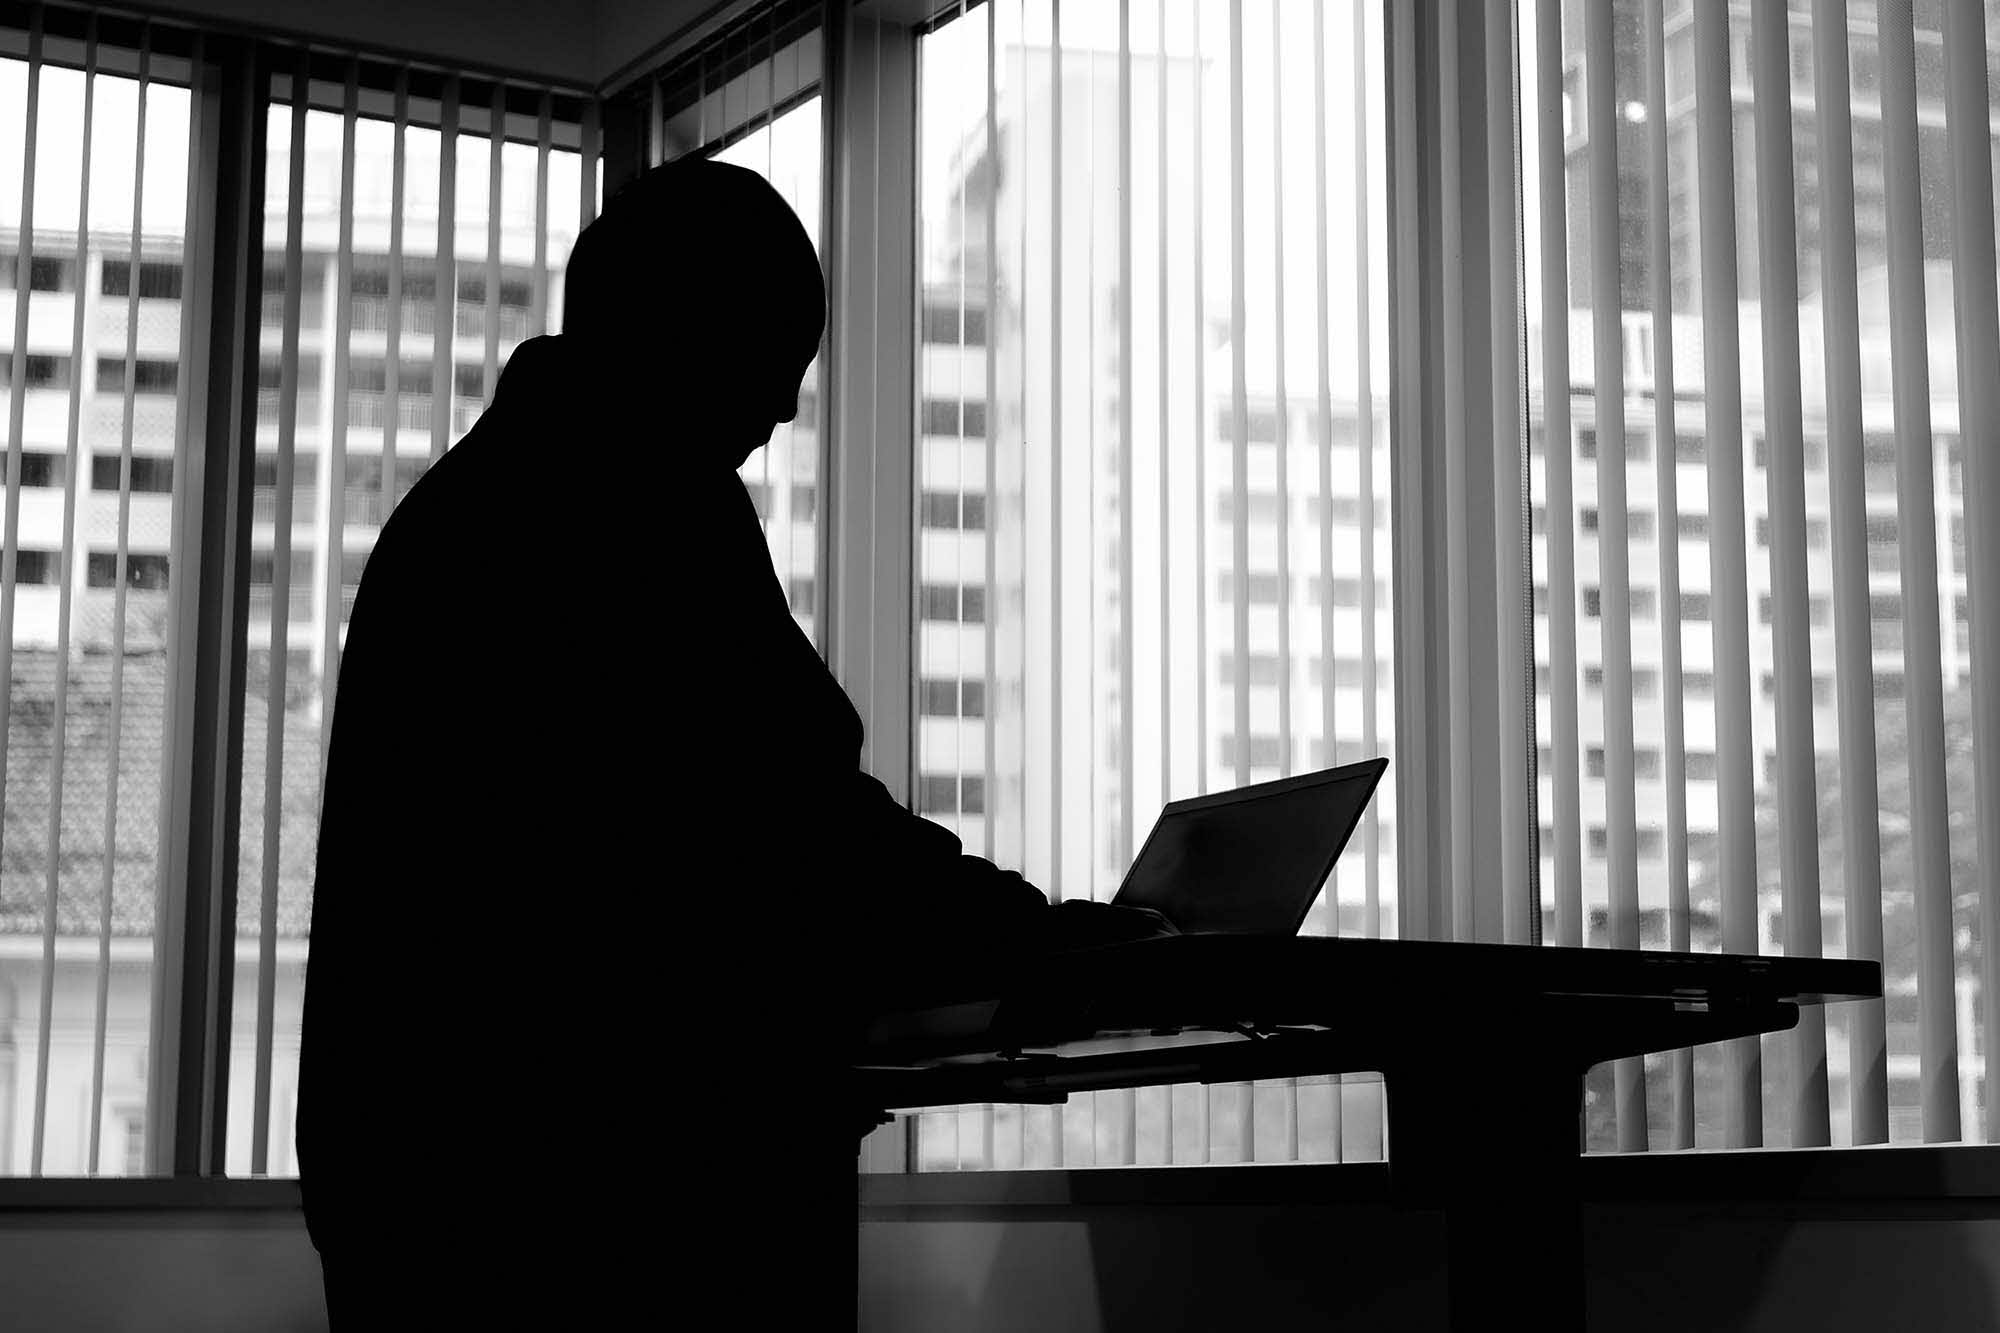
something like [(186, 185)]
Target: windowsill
[(1954, 1177), (138, 1194)]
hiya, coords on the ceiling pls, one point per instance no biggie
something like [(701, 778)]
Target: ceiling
[(569, 41)]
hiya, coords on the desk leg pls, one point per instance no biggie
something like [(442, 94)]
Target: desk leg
[(1495, 1144)]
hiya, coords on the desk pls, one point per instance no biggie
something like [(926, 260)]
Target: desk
[(1442, 1023)]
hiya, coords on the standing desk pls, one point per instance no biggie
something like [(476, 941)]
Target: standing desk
[(1483, 1048)]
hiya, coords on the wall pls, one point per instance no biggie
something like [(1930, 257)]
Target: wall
[(1707, 1241), (212, 1266)]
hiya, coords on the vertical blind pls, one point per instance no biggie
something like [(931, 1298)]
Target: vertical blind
[(1759, 281), (1151, 504), (416, 226), (749, 95), (95, 163)]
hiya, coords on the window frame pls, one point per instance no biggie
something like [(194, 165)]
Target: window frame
[(867, 592)]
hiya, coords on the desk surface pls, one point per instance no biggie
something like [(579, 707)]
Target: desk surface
[(1240, 982)]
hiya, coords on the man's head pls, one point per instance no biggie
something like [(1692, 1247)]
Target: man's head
[(698, 277)]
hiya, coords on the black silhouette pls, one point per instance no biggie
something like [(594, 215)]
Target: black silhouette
[(601, 885)]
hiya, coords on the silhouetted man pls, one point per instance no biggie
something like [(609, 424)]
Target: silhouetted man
[(599, 873)]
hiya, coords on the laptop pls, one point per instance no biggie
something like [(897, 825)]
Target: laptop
[(1249, 861)]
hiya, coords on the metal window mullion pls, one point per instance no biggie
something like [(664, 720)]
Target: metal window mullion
[(591, 143), (1784, 432), (1917, 558), (116, 722), (1513, 628), (1728, 578), (65, 596), (443, 376), (496, 140), (1667, 473), (1853, 675), (392, 371), (1967, 121), (1558, 455), (18, 386)]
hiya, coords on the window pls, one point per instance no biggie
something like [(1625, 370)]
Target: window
[(954, 418), (88, 690), (1078, 612), (946, 602), (143, 571), (149, 377), (948, 325), (157, 281), (38, 372), (150, 476), (39, 469), (1902, 156), (946, 509), (344, 485)]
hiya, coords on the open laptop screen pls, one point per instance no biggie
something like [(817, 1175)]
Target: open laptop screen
[(1250, 861)]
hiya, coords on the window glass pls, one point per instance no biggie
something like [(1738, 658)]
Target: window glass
[(326, 479), (91, 655), (1149, 567)]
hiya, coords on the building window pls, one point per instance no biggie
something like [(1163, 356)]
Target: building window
[(149, 377), (38, 372), (948, 325), (143, 571), (157, 281), (39, 468), (37, 567), (150, 475), (945, 416)]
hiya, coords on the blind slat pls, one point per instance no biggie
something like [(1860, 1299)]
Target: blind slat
[(442, 385), (1868, 1089), (64, 593), (1365, 441), (1457, 557), (1968, 110), (1055, 886), (1559, 502), (1239, 407), (1728, 577), (10, 544), (1323, 439), (1791, 641), (114, 738), (496, 139), (392, 366), (281, 587), (1513, 630), (1667, 484), (1916, 523), (538, 317), (1614, 551)]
